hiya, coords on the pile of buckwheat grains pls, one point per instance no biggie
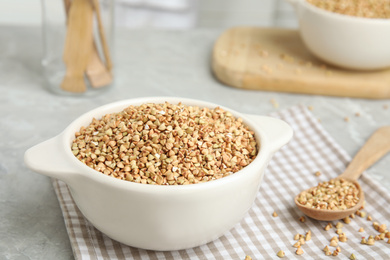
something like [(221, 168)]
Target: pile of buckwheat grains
[(338, 194), (166, 144), (360, 8)]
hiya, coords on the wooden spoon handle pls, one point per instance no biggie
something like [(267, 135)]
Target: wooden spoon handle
[(374, 149), (103, 39)]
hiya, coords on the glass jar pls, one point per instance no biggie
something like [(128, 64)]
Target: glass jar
[(77, 46)]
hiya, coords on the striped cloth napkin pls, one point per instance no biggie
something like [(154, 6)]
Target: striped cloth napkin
[(260, 235)]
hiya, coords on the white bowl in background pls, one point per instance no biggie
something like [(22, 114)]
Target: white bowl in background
[(153, 216), (346, 41)]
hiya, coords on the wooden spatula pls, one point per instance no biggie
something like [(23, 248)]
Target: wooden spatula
[(78, 45)]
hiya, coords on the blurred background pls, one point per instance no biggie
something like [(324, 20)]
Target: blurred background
[(171, 14)]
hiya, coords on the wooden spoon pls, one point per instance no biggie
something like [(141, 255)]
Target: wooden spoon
[(103, 39), (78, 45), (374, 149)]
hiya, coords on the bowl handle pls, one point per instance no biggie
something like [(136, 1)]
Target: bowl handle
[(277, 131), (49, 158)]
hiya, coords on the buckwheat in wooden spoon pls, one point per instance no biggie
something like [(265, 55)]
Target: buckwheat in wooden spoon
[(343, 195)]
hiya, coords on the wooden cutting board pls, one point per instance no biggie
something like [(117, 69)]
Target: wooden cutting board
[(276, 60)]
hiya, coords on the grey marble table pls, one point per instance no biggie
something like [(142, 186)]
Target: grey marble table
[(148, 63)]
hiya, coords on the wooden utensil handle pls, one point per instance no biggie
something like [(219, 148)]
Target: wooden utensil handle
[(103, 39), (374, 149)]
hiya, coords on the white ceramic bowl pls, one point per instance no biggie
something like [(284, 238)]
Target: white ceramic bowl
[(151, 216), (345, 41)]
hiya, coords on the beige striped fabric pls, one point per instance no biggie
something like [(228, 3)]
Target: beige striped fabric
[(259, 234)]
